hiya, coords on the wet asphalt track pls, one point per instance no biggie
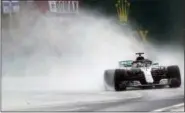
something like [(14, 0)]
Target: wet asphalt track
[(151, 100)]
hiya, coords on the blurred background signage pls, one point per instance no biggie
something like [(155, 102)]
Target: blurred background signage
[(10, 6), (63, 6)]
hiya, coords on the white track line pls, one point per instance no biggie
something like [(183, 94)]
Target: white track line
[(170, 107)]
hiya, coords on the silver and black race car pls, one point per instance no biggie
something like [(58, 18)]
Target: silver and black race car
[(141, 73)]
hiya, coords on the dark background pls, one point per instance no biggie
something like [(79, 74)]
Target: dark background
[(164, 19)]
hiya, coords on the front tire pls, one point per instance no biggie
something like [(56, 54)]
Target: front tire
[(174, 76), (119, 83)]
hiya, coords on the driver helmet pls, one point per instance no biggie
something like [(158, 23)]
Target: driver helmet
[(140, 58)]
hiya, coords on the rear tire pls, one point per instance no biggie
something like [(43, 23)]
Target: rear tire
[(173, 73)]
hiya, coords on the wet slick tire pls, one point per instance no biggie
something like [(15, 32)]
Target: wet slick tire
[(119, 83), (174, 76)]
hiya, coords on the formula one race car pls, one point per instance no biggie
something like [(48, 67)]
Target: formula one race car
[(141, 73)]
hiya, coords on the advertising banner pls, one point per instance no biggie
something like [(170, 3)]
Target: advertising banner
[(15, 6), (63, 6), (10, 6), (6, 6)]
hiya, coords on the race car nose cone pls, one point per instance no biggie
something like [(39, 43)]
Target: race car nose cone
[(148, 75)]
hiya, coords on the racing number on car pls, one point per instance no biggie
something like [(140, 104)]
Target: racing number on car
[(61, 6)]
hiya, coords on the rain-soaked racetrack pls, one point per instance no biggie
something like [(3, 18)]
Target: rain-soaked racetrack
[(132, 100), (145, 103)]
